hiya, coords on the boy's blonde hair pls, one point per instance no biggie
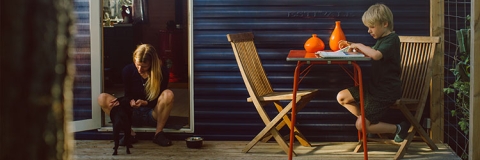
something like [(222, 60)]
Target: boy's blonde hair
[(378, 14)]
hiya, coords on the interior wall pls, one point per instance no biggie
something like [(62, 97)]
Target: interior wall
[(159, 13)]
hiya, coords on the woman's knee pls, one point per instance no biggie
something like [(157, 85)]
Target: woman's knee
[(167, 96), (102, 98)]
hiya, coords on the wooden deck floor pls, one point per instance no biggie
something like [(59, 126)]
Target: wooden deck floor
[(232, 150)]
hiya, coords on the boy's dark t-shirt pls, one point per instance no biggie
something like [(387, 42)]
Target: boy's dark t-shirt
[(385, 83), (133, 84)]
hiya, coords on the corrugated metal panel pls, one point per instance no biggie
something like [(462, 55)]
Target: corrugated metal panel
[(221, 110), (82, 91)]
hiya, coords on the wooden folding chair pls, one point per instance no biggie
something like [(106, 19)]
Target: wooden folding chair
[(261, 93), (416, 62)]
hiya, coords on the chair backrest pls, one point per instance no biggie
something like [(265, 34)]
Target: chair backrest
[(250, 64), (417, 56)]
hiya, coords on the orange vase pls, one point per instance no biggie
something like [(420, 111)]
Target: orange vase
[(314, 44), (336, 36)]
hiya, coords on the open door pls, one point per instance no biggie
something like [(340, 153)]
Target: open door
[(90, 70), (87, 55), (120, 37)]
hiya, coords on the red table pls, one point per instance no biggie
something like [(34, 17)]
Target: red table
[(310, 59)]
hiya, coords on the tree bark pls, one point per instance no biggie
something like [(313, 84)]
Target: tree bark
[(36, 79)]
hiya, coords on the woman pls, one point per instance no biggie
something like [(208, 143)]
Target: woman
[(145, 82)]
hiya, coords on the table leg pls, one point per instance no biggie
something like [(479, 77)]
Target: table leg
[(358, 77), (294, 109)]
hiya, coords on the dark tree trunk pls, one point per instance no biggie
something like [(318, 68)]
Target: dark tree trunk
[(36, 79)]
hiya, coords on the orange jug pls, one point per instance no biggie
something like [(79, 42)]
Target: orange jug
[(336, 36), (314, 44)]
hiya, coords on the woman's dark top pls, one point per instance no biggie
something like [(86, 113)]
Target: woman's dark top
[(385, 81), (134, 84)]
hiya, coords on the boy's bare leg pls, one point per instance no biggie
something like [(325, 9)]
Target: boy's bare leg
[(380, 127), (345, 99)]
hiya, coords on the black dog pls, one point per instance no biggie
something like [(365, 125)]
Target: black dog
[(121, 117)]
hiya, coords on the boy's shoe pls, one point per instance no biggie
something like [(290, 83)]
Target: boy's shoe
[(132, 141), (403, 133), (161, 139)]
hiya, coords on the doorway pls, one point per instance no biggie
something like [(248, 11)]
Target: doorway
[(162, 26)]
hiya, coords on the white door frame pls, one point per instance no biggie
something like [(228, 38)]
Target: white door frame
[(96, 72)]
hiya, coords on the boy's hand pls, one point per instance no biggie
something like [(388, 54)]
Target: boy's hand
[(354, 48), (343, 43)]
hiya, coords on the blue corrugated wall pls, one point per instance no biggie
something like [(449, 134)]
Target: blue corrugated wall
[(221, 110), (82, 102)]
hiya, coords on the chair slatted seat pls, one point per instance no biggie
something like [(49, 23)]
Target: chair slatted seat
[(261, 93)]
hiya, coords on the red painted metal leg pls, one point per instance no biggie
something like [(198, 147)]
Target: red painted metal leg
[(362, 109), (294, 109)]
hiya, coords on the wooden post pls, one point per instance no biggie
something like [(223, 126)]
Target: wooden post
[(474, 128), (37, 79), (436, 86)]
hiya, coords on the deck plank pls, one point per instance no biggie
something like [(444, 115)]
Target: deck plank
[(232, 150)]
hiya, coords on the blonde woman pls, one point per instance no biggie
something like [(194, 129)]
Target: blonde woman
[(145, 82)]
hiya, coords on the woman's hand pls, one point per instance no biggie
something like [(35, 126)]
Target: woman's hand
[(113, 103), (138, 103)]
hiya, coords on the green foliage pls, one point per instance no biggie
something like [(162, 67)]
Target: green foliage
[(461, 86), (462, 100)]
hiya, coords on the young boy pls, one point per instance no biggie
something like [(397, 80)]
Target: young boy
[(384, 86)]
